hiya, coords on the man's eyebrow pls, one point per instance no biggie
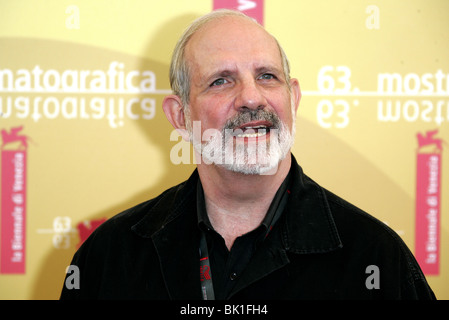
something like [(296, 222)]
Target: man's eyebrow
[(228, 71), (219, 73), (268, 68)]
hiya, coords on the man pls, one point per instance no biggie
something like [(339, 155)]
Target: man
[(248, 223)]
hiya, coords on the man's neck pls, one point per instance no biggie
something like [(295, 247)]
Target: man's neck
[(237, 203)]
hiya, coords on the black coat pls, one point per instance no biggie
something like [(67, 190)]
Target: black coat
[(322, 247)]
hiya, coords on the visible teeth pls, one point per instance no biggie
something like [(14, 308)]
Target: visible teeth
[(252, 135), (256, 127), (251, 131)]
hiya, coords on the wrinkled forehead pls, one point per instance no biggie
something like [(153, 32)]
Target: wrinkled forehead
[(231, 38)]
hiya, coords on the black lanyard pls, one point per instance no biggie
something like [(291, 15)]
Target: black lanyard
[(207, 287)]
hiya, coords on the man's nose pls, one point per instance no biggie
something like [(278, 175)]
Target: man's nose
[(250, 96)]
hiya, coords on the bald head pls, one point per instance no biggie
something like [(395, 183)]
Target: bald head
[(218, 30)]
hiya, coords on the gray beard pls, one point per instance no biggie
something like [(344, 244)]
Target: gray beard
[(221, 148)]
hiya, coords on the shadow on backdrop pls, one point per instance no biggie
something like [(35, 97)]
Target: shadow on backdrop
[(50, 276)]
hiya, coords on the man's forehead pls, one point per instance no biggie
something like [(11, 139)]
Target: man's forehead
[(220, 43), (227, 23)]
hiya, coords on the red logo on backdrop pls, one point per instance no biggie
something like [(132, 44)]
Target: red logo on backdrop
[(86, 228), (252, 8), (13, 201), (428, 202)]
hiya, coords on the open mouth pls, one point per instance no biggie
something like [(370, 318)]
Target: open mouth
[(253, 130)]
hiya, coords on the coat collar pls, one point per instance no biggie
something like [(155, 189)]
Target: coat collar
[(308, 223)]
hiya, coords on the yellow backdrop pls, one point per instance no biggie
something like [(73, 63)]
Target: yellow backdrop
[(85, 79)]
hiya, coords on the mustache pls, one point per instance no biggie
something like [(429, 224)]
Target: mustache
[(253, 115)]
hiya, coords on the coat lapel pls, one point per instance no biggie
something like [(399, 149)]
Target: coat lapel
[(306, 226), (177, 246), (172, 225), (309, 226)]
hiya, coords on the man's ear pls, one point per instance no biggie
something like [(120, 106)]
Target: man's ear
[(174, 111), (296, 93)]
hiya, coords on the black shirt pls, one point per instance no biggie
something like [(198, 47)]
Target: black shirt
[(226, 266)]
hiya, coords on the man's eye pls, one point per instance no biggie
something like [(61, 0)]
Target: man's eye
[(218, 82), (267, 76)]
